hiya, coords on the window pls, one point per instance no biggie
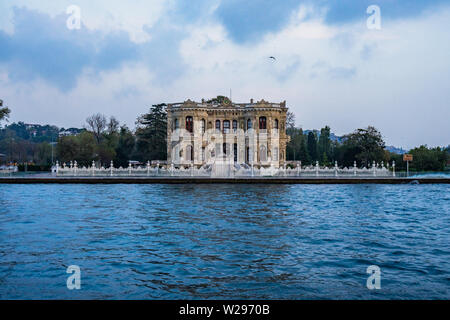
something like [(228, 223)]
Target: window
[(249, 155), (275, 124), (189, 124), (235, 152), (263, 153), (176, 153), (218, 125), (203, 125), (249, 124), (226, 126), (177, 124), (217, 151), (262, 123), (203, 154), (190, 153), (234, 125)]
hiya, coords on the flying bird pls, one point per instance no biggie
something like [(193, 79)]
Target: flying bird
[(272, 57)]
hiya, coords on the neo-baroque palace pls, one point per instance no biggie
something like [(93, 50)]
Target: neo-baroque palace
[(200, 133)]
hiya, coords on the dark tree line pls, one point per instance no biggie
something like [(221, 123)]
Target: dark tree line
[(363, 146), (104, 140)]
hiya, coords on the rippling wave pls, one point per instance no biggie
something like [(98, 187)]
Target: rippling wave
[(224, 241)]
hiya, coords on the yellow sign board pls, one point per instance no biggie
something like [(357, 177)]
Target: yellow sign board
[(407, 157)]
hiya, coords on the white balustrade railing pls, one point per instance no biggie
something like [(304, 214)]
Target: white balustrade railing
[(224, 170)]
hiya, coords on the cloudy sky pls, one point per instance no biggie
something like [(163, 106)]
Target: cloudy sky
[(330, 67)]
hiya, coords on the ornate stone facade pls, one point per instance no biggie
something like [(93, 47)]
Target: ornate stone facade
[(204, 133)]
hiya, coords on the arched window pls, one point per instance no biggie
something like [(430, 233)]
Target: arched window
[(218, 125), (190, 153), (203, 125), (275, 124), (262, 123), (235, 125), (249, 124), (225, 149), (189, 124), (226, 126), (263, 153), (176, 153)]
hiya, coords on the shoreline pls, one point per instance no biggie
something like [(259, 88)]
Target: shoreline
[(208, 180)]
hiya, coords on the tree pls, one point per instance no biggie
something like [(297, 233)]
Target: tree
[(86, 152), (324, 145), (43, 154), (97, 124), (125, 148), (296, 148), (290, 120), (364, 146), (292, 148), (428, 159), (113, 126), (67, 149), (151, 134), (4, 111), (219, 100), (312, 146)]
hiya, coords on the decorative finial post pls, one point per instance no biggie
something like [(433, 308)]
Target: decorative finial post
[(57, 167), (157, 167), (129, 168), (111, 168), (374, 169), (393, 168), (148, 168), (171, 169), (317, 168), (335, 169), (93, 167), (75, 164)]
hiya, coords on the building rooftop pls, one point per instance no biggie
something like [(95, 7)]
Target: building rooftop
[(189, 104)]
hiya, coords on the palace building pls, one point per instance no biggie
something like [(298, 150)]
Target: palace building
[(200, 133)]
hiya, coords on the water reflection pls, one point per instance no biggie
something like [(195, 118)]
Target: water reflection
[(224, 241)]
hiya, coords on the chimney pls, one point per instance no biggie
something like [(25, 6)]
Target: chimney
[(251, 100)]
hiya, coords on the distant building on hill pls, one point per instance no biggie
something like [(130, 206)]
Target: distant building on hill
[(69, 132)]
